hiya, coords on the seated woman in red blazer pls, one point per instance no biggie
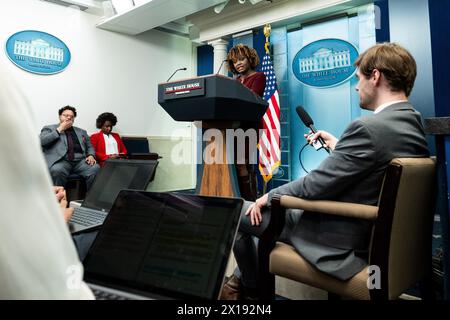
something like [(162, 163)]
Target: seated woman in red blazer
[(107, 144)]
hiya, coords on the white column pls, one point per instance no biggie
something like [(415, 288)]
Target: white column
[(220, 54)]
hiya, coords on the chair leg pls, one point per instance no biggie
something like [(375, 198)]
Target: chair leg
[(334, 297), (266, 280), (268, 287), (426, 288)]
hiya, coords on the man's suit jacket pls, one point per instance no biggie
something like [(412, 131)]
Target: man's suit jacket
[(54, 144), (353, 172)]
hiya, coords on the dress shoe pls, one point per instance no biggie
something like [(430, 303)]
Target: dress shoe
[(232, 289)]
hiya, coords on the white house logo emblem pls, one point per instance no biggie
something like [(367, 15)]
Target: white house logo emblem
[(325, 63), (37, 52)]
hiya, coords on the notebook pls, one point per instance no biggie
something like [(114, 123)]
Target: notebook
[(163, 246), (117, 174)]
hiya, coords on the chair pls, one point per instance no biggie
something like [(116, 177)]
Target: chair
[(400, 243)]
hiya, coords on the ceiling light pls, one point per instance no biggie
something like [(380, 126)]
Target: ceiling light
[(218, 9)]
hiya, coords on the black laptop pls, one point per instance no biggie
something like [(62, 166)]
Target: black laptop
[(163, 246), (117, 174)]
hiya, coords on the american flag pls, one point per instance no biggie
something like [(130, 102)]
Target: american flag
[(269, 142)]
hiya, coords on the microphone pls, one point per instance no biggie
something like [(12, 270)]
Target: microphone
[(221, 65), (306, 119), (176, 72)]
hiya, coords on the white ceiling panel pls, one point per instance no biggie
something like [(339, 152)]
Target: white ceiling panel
[(154, 14)]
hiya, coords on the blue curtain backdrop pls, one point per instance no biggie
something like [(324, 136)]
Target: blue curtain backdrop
[(332, 109)]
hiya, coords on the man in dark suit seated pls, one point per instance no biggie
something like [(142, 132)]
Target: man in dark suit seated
[(353, 172), (68, 150)]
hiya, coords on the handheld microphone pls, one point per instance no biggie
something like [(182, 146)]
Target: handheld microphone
[(306, 119), (176, 72), (221, 65)]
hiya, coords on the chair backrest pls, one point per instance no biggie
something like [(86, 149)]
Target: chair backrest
[(401, 239)]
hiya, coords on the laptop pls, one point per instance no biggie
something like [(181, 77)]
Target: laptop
[(117, 174), (163, 246)]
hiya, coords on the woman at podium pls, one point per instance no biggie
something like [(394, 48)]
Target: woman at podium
[(242, 61)]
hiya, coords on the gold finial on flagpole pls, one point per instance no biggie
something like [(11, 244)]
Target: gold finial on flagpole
[(267, 29)]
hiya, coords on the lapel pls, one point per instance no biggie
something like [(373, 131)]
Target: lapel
[(102, 141)]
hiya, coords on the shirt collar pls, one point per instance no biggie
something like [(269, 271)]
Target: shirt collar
[(387, 104)]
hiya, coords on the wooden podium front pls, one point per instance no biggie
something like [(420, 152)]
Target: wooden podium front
[(218, 179), (213, 102)]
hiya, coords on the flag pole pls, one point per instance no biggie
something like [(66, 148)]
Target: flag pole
[(267, 30)]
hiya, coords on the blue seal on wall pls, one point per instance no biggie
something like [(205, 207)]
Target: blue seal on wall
[(325, 63), (37, 52)]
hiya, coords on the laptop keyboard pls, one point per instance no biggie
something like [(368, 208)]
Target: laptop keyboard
[(103, 295), (87, 217)]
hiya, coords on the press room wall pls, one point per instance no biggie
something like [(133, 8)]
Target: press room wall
[(409, 25), (108, 71), (331, 108)]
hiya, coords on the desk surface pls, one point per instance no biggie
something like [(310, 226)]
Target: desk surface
[(144, 156)]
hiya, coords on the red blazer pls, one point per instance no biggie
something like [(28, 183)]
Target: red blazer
[(98, 142)]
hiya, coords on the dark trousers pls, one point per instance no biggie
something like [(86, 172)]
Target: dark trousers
[(246, 176), (60, 170), (245, 246)]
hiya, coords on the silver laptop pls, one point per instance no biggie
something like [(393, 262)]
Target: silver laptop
[(163, 246), (114, 176)]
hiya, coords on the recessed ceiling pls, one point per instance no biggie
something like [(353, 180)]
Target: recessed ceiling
[(154, 14)]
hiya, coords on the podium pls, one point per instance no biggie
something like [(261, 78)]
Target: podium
[(219, 103)]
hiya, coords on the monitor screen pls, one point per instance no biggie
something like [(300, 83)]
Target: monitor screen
[(117, 175), (136, 144), (170, 244)]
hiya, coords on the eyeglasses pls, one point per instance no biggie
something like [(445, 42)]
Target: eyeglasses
[(68, 115)]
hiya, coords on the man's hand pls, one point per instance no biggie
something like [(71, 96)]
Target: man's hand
[(114, 156), (60, 193), (64, 125), (62, 200), (330, 140), (255, 210), (90, 160), (67, 212)]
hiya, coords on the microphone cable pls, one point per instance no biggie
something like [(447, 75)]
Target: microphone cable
[(300, 157)]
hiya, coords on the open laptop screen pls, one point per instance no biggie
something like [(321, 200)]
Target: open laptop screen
[(169, 244), (115, 176)]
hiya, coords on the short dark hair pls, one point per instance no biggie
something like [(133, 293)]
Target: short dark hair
[(394, 62), (60, 111), (106, 116), (244, 51)]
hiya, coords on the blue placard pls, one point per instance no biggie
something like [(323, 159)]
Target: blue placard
[(37, 52), (325, 63)]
